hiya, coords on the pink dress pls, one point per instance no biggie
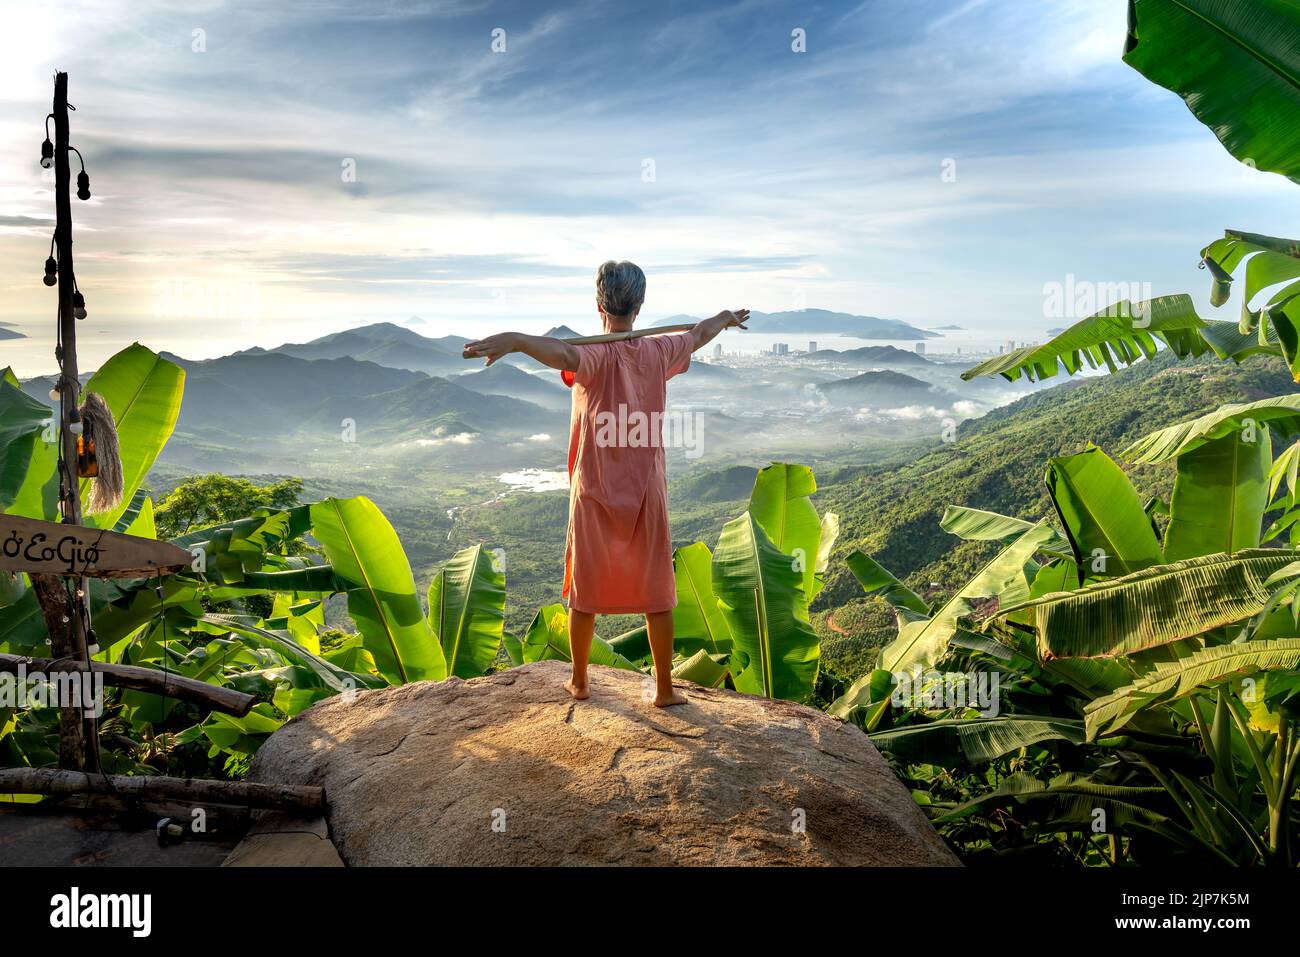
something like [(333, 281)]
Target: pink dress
[(618, 555)]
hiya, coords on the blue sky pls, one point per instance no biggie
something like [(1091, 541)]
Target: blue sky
[(490, 184)]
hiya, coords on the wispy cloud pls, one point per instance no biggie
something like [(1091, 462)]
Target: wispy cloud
[(337, 161)]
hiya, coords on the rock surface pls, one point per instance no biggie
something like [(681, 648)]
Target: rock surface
[(508, 770)]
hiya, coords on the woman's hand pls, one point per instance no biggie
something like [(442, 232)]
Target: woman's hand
[(734, 320), (493, 347)]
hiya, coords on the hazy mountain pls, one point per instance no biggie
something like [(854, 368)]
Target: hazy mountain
[(387, 344), (810, 322), (501, 379), (561, 332), (249, 394), (877, 387), (431, 407), (874, 355), (9, 332)]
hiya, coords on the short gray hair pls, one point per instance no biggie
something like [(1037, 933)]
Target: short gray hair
[(620, 287)]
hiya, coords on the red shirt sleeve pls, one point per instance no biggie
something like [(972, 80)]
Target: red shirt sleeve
[(676, 350), (592, 360)]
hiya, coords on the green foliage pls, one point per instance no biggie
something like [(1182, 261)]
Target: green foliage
[(467, 601), (1234, 64), (207, 500)]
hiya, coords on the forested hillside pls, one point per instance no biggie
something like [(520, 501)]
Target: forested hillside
[(997, 463)]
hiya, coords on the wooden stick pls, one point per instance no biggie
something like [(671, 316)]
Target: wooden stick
[(630, 334), (165, 683), (199, 791), (52, 594), (67, 620)]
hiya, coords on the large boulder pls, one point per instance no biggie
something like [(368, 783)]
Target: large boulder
[(508, 769)]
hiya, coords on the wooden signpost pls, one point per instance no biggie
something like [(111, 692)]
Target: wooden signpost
[(53, 548), (61, 557)]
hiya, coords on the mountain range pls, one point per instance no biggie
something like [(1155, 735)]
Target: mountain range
[(819, 322)]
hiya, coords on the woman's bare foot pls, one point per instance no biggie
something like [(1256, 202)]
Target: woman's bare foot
[(578, 691), (667, 701)]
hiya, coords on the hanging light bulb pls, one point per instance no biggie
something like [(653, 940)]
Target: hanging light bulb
[(55, 394), (79, 305), (51, 271), (74, 422), (83, 185), (47, 153)]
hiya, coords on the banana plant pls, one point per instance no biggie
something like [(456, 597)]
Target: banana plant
[(547, 639), (1152, 607), (1108, 529), (364, 552), (467, 605), (775, 652)]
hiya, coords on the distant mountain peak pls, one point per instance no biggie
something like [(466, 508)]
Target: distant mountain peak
[(561, 332)]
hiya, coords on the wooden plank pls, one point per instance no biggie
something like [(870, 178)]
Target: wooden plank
[(52, 548)]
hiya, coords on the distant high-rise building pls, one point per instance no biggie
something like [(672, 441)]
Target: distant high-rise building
[(717, 350), (1011, 345), (920, 348), (812, 345)]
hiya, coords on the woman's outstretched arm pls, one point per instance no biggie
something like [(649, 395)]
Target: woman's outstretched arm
[(549, 351), (706, 330)]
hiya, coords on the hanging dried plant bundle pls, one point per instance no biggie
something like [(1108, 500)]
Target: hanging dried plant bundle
[(98, 457)]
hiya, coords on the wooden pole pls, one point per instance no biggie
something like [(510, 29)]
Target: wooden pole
[(166, 683), (630, 334), (67, 620), (280, 797)]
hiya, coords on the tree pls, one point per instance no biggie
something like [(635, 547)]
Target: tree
[(213, 499)]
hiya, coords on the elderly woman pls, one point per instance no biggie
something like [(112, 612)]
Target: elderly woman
[(618, 555)]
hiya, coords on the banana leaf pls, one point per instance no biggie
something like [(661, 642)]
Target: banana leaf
[(977, 525), (775, 652), (1102, 514), (634, 645), (144, 392), (866, 699), (1178, 679), (467, 608), (137, 519), (1280, 413), (1071, 800), (952, 742), (703, 669), (22, 420), (781, 505), (878, 581), (830, 534), (920, 644), (1120, 334), (698, 624), (1220, 496), (250, 629), (547, 639), (1154, 606), (364, 552), (1234, 64)]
